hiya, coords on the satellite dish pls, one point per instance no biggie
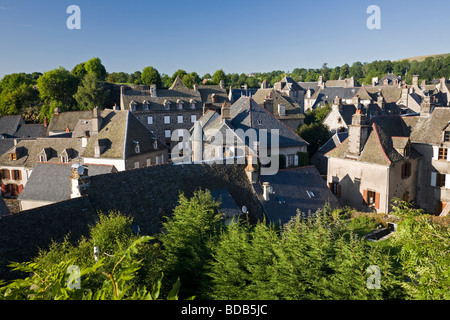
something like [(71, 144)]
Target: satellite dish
[(244, 209), (80, 170)]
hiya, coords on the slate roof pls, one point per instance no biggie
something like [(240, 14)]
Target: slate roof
[(10, 124), (379, 147), (206, 92), (333, 142), (287, 83), (70, 119), (291, 186), (32, 148), (428, 129), (293, 110), (246, 113), (51, 181), (146, 195), (328, 94), (390, 77), (177, 92), (31, 131), (236, 93), (227, 204), (118, 133)]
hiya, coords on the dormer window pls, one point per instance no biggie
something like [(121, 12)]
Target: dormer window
[(42, 158), (133, 106), (13, 156), (155, 144), (446, 136), (145, 104), (192, 102), (180, 104), (137, 149), (167, 105), (64, 159)]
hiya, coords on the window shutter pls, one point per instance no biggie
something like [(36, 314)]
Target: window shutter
[(296, 160), (377, 200), (433, 179), (20, 174), (403, 171), (365, 197), (339, 191), (435, 153), (447, 181)]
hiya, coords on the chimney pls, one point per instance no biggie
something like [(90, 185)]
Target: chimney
[(266, 191), (358, 133), (245, 86), (45, 121), (252, 173), (225, 111), (153, 93), (374, 81), (264, 84), (67, 129), (75, 180), (115, 108), (197, 142), (56, 110), (415, 80), (195, 87), (222, 85), (425, 108), (424, 83), (214, 98), (380, 101), (96, 120), (321, 83)]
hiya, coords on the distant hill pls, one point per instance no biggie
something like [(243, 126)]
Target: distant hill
[(422, 58)]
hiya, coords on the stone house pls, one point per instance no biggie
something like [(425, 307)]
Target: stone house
[(166, 112), (281, 106), (17, 164), (430, 135), (245, 116), (376, 163)]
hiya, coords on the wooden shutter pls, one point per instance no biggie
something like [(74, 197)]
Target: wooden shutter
[(377, 200), (330, 186), (435, 153), (365, 200), (403, 170)]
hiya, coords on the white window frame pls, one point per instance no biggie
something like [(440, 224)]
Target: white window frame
[(193, 118), (180, 119), (168, 133), (149, 120), (166, 119)]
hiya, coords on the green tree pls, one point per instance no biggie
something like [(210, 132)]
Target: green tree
[(91, 93), (316, 134), (188, 239), (79, 70), (94, 66), (151, 76), (57, 87), (218, 76)]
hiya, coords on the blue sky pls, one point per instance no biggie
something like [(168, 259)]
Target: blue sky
[(203, 36)]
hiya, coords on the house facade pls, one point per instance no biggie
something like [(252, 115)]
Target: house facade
[(374, 165)]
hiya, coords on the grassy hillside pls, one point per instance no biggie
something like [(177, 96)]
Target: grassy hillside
[(422, 58)]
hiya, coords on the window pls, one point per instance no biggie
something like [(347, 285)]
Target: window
[(42, 158), (146, 106), (437, 179), (180, 106), (193, 105), (137, 149), (13, 156), (193, 118), (5, 174), (406, 170), (17, 175), (371, 199), (180, 119), (335, 188), (290, 160), (446, 136), (149, 162), (64, 159), (167, 133), (150, 120), (155, 145), (166, 119), (442, 155), (136, 165)]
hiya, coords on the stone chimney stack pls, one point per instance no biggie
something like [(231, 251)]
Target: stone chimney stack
[(264, 84), (321, 83), (225, 111), (380, 101), (153, 93), (195, 87), (358, 133), (266, 191), (425, 108), (374, 81), (222, 85), (415, 80), (96, 120)]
